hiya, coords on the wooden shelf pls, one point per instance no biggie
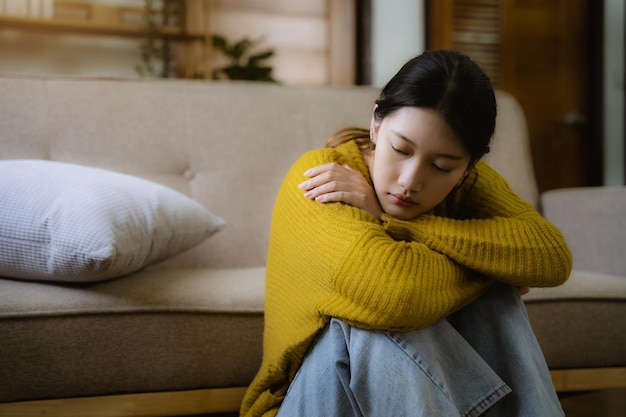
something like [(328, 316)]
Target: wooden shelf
[(90, 28), (193, 39)]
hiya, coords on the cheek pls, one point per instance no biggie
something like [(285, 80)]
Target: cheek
[(449, 184), (377, 168), (439, 189), (385, 176)]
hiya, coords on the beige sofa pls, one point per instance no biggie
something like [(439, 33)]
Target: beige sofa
[(183, 336)]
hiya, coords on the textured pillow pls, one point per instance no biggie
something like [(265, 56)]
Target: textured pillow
[(66, 222)]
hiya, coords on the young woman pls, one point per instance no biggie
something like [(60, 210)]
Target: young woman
[(395, 264)]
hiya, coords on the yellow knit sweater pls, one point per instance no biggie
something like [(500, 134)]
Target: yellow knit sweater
[(334, 260)]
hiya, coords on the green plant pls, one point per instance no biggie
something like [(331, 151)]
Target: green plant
[(157, 54), (242, 63), (157, 50)]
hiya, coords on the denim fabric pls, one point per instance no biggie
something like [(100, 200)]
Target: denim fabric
[(497, 327), (483, 360)]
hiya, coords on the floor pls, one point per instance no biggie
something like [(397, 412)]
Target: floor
[(600, 404)]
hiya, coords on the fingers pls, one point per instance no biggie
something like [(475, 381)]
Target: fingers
[(320, 169), (331, 183), (324, 178), (319, 187), (328, 192), (328, 197)]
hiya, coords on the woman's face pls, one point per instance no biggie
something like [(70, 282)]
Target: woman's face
[(417, 161)]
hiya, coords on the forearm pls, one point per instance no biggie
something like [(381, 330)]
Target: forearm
[(396, 285), (522, 251)]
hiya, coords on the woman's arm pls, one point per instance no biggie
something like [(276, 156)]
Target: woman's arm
[(343, 259), (505, 238)]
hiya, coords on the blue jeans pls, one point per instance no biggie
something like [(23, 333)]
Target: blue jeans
[(483, 359)]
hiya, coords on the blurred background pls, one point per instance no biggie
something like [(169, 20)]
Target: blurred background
[(562, 59)]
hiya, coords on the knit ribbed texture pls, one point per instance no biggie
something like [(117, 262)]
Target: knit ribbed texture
[(334, 260)]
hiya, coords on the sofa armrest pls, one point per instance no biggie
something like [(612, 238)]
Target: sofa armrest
[(593, 221)]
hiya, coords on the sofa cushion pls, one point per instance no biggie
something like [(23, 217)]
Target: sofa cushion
[(578, 323), (593, 223), (67, 222), (154, 330)]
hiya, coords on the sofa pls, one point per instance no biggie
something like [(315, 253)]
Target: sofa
[(159, 324)]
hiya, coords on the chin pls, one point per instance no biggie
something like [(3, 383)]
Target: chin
[(401, 214), (410, 217)]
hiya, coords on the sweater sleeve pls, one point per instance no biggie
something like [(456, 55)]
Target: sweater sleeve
[(345, 260), (505, 238)]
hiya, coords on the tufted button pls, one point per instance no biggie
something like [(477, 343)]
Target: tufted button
[(189, 174)]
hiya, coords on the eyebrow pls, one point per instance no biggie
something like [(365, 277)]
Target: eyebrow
[(440, 155)]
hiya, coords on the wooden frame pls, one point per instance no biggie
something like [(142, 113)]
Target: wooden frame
[(164, 404), (342, 23), (588, 379), (220, 400), (440, 24)]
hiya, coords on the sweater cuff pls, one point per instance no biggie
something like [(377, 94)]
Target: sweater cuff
[(395, 228)]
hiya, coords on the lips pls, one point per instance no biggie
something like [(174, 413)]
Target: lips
[(402, 200)]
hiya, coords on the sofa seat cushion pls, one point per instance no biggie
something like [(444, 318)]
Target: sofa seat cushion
[(580, 324), (155, 330)]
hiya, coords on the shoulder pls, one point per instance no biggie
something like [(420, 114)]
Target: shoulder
[(487, 172), (347, 153), (308, 160), (319, 156)]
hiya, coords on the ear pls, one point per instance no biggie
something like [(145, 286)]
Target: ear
[(374, 125)]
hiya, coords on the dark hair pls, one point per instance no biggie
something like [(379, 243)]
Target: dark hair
[(452, 84)]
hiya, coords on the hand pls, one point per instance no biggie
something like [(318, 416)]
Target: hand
[(340, 183), (523, 290)]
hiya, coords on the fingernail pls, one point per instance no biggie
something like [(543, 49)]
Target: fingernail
[(302, 185)]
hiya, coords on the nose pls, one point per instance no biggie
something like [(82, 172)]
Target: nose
[(411, 178)]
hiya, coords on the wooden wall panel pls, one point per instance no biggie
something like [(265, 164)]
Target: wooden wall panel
[(342, 42), (470, 26), (293, 7), (307, 32), (538, 50)]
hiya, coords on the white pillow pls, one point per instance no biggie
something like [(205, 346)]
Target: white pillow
[(72, 223)]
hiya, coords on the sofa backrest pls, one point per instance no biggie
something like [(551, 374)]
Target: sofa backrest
[(226, 144)]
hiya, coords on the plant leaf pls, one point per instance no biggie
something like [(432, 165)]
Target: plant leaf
[(220, 43), (240, 48), (262, 55)]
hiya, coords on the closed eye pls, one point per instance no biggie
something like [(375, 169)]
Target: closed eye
[(438, 168), (397, 150)]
